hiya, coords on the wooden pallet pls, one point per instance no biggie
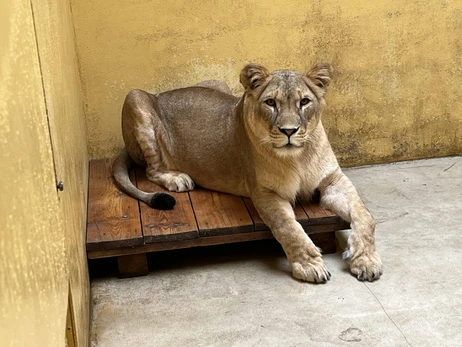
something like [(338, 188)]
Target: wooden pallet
[(120, 226)]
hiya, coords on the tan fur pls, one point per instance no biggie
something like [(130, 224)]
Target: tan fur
[(203, 134)]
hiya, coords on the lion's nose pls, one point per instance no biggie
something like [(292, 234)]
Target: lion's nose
[(288, 132)]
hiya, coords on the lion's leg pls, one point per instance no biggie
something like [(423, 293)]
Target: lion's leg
[(340, 196), (141, 124), (158, 173), (304, 257)]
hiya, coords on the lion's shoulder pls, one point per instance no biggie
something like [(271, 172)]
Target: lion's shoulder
[(195, 99)]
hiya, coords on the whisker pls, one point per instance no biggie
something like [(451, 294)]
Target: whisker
[(265, 140)]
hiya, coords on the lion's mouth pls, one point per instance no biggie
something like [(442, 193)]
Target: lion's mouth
[(289, 145)]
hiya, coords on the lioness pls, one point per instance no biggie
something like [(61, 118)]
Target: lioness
[(268, 145)]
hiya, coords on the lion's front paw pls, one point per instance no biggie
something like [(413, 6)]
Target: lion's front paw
[(367, 266), (179, 182), (311, 270)]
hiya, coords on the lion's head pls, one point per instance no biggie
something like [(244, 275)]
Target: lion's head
[(282, 108)]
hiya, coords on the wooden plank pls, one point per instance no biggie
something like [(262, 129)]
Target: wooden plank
[(312, 231), (219, 213), (299, 212), (319, 215), (166, 225), (322, 228), (166, 246), (257, 221), (113, 217)]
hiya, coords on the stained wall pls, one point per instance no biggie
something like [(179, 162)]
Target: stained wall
[(396, 91), (61, 84), (43, 272), (33, 276)]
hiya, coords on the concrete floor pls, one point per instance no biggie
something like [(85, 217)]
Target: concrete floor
[(243, 295)]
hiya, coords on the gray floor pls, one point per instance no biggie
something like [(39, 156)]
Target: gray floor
[(243, 295)]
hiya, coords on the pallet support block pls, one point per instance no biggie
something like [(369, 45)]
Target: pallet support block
[(325, 241), (132, 265), (122, 227)]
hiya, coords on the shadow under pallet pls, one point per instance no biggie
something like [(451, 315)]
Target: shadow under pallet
[(120, 226)]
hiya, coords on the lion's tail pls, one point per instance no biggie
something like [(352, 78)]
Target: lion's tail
[(120, 168)]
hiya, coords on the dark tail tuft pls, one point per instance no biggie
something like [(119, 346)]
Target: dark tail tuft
[(162, 201)]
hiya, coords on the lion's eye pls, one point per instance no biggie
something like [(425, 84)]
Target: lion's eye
[(270, 102), (304, 101)]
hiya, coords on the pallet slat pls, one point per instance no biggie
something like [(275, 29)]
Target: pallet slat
[(322, 239), (300, 214), (318, 215), (171, 225), (113, 217), (258, 223), (219, 213)]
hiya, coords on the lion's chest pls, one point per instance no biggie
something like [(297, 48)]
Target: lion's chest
[(285, 181), (291, 181)]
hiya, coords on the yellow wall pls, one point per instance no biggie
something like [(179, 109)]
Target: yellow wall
[(61, 81), (33, 280), (42, 138), (396, 94)]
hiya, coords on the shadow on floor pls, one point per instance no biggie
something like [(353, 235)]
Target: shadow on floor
[(196, 257), (267, 251)]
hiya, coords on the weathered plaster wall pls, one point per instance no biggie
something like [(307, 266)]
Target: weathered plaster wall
[(42, 140), (61, 82), (396, 93), (33, 278)]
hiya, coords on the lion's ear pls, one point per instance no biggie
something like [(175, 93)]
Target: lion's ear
[(253, 76), (320, 75)]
